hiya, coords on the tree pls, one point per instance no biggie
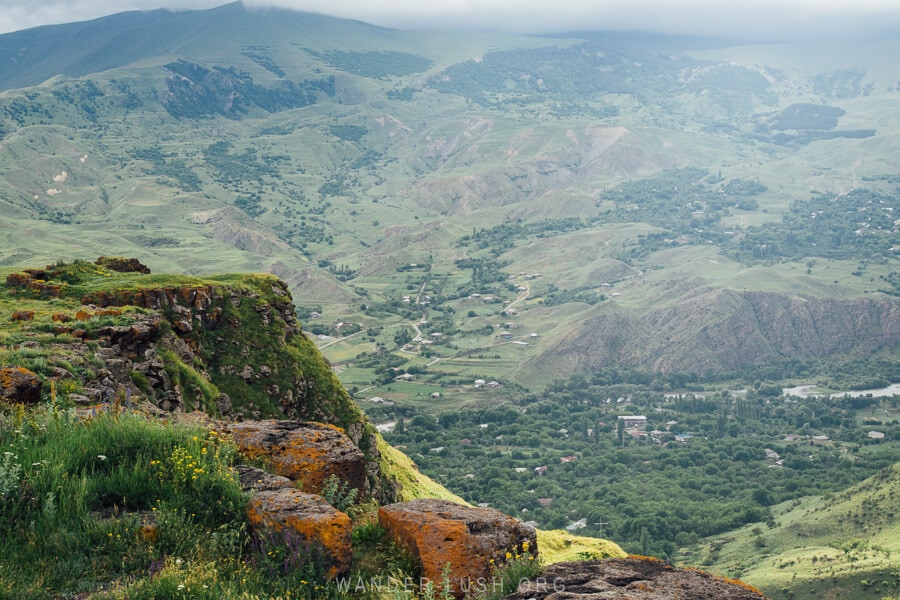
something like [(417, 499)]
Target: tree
[(620, 431), (721, 422), (403, 337), (645, 541)]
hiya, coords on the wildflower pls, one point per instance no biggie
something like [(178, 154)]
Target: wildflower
[(177, 561), (180, 586), (101, 456)]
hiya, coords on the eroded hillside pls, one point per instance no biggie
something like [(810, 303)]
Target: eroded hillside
[(478, 206)]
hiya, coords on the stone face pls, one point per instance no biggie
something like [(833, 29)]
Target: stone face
[(19, 385), (306, 518), (306, 452), (258, 480), (439, 532), (633, 578)]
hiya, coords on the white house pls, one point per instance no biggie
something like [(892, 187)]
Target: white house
[(638, 422)]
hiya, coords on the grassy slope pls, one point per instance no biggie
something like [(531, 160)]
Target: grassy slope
[(841, 546)]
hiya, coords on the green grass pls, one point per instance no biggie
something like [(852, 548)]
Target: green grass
[(107, 497), (116, 506), (842, 545)]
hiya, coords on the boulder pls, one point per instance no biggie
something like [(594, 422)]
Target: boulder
[(289, 516), (634, 578), (257, 480), (123, 265), (19, 386), (469, 539), (305, 452)]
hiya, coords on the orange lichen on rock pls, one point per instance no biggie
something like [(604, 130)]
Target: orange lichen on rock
[(309, 519), (305, 452), (22, 315), (727, 580), (18, 279), (19, 385), (468, 539)]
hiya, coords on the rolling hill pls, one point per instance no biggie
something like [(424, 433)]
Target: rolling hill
[(835, 546), (659, 203)]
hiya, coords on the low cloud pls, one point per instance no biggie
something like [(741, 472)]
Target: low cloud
[(757, 19), (761, 19)]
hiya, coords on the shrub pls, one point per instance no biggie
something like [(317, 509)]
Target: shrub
[(9, 475), (338, 493)]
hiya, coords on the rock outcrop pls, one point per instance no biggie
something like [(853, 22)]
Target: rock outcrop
[(19, 386), (470, 540), (123, 265), (308, 453), (257, 480), (633, 578), (304, 522), (230, 346)]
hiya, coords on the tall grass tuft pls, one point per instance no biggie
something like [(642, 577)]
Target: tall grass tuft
[(81, 496)]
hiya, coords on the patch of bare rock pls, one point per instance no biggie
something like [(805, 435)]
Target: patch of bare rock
[(19, 385), (633, 578)]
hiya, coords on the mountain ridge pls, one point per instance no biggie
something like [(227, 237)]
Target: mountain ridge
[(336, 158), (137, 36)]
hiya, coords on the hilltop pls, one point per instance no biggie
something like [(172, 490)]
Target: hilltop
[(126, 398), (833, 546)]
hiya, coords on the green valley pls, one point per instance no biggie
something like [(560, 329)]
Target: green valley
[(501, 244)]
